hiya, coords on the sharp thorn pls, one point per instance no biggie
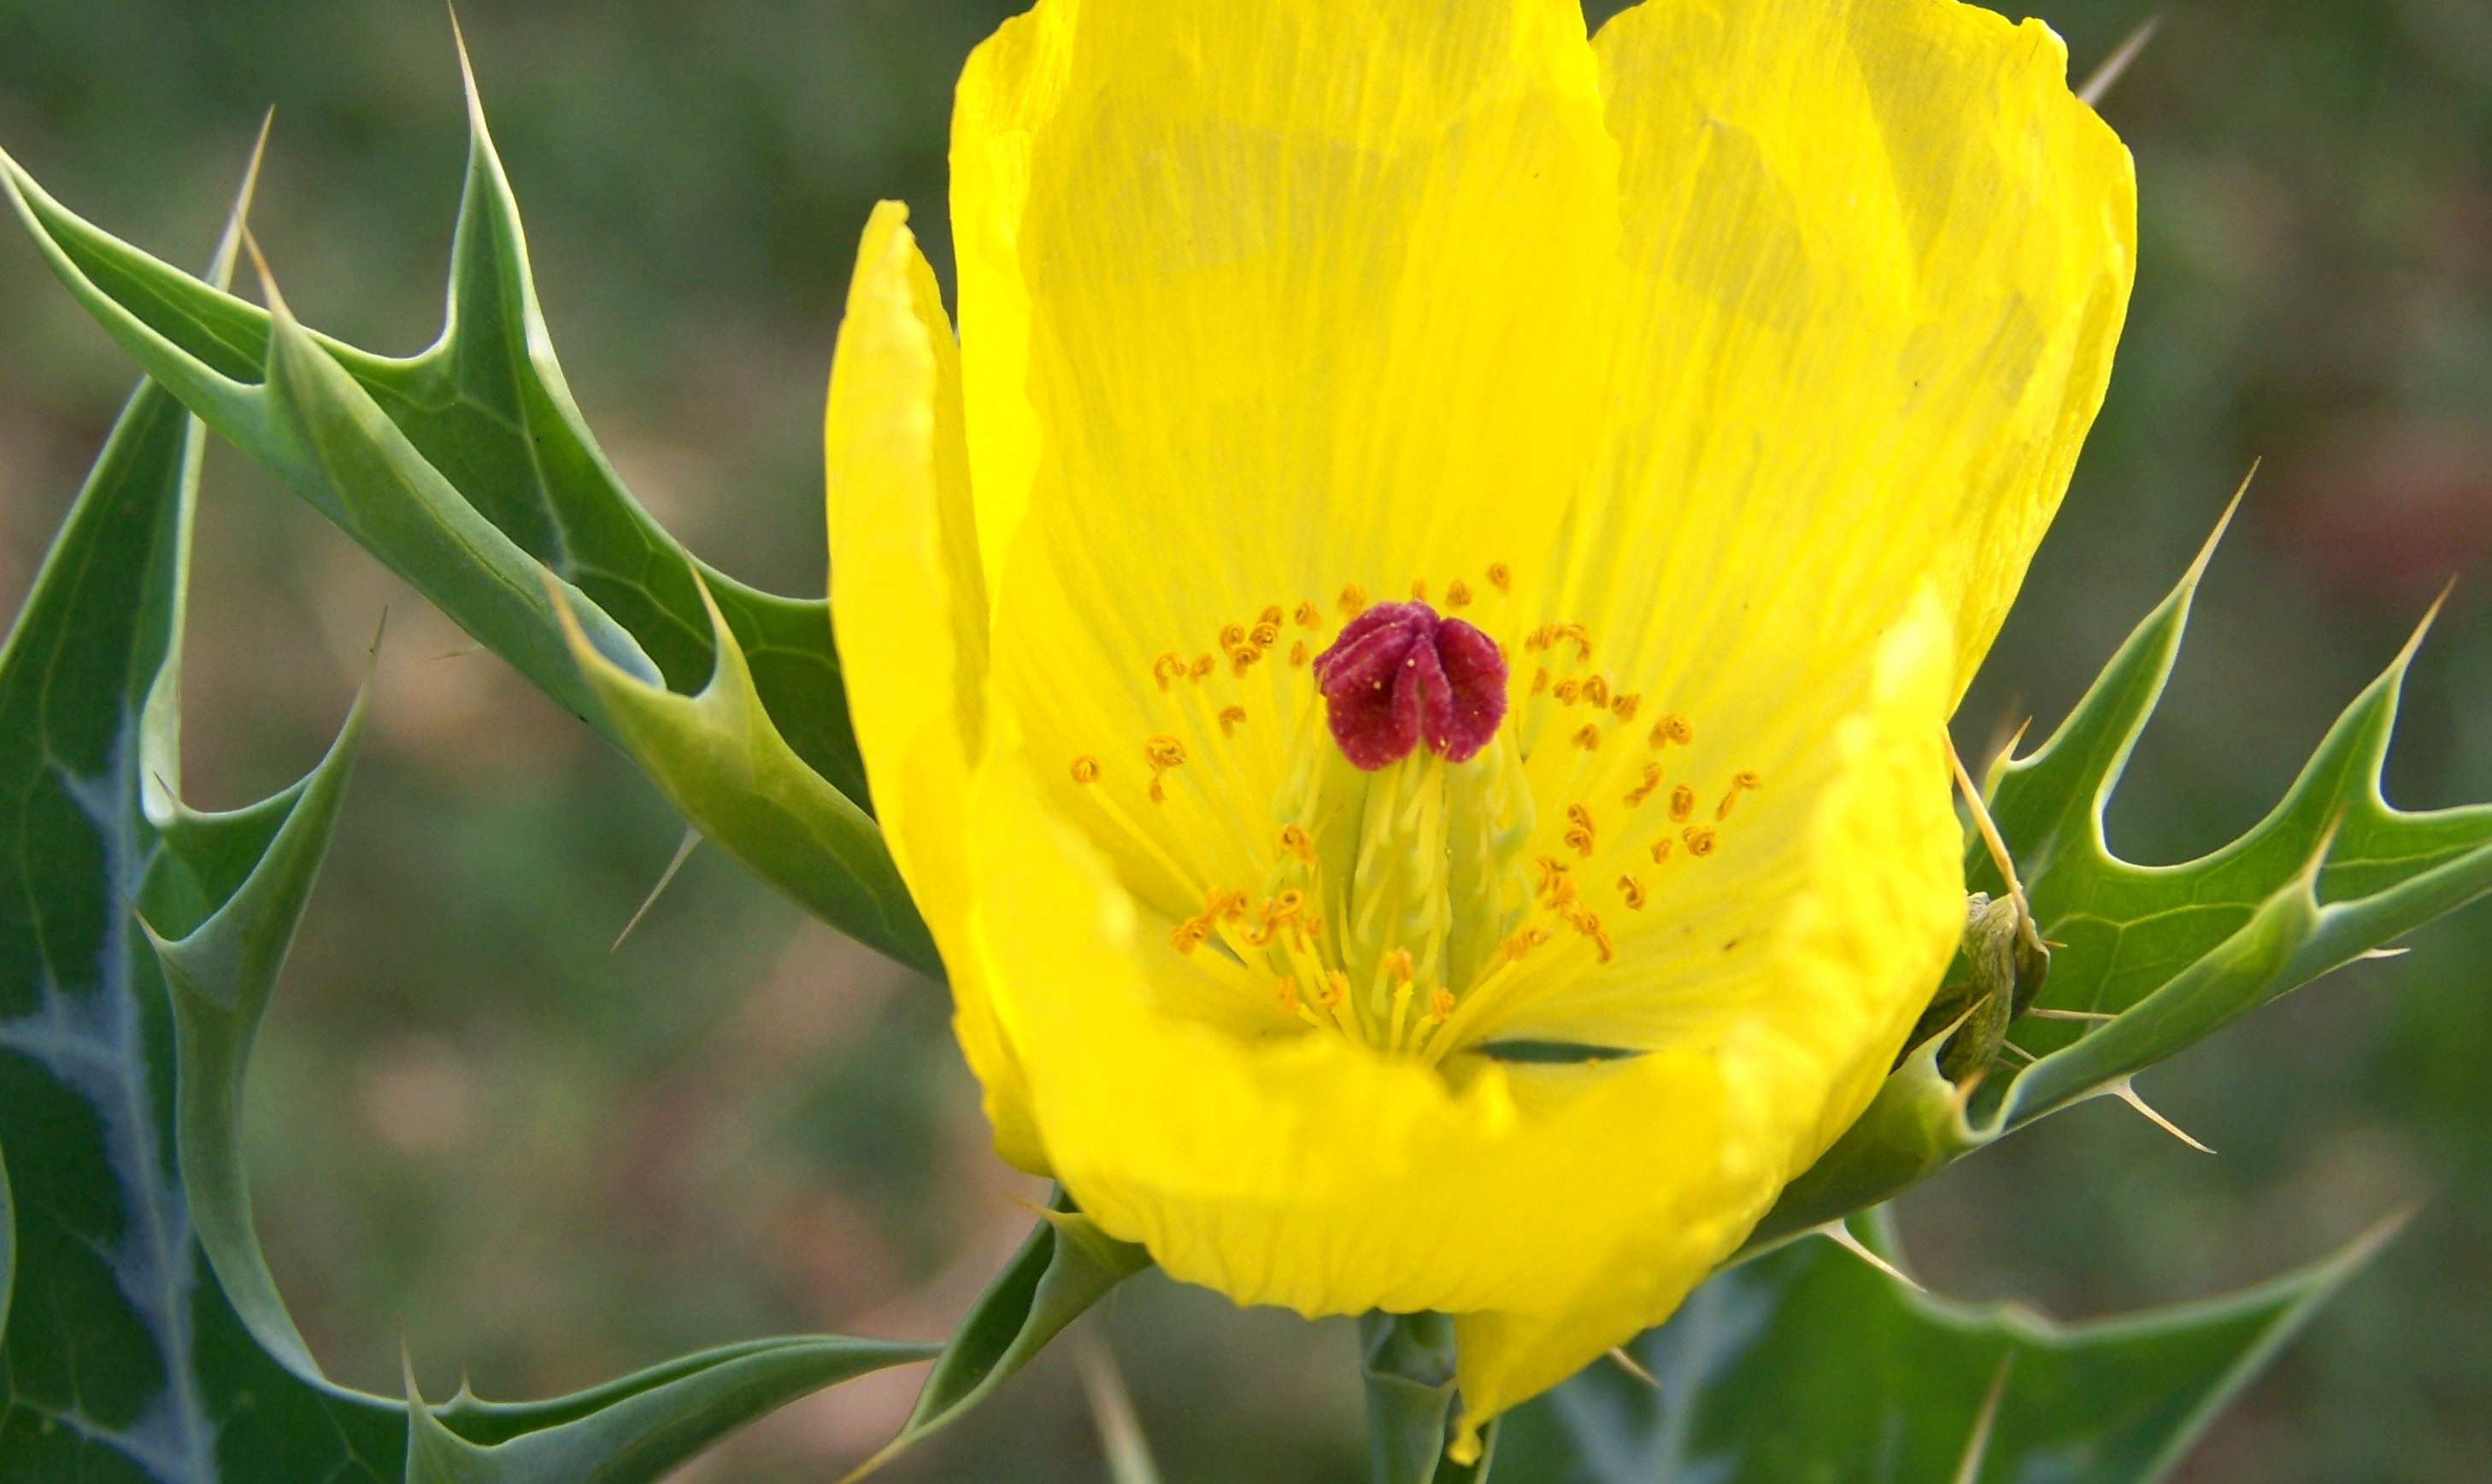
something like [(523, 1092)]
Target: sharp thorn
[(1990, 836), (2126, 1091), (2105, 75), (692, 838), (2096, 1016), (1628, 1363), (1840, 1235), (2223, 522), (221, 267), (267, 280), (2414, 640), (1977, 1447)]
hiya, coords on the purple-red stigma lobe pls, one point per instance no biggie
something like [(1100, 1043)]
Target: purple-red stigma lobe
[(1400, 674)]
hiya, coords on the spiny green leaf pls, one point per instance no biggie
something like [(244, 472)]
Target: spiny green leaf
[(637, 1428), (139, 1331), (469, 470), (1810, 1364), (718, 760), (2152, 959), (1066, 1265)]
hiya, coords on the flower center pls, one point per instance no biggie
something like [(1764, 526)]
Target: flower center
[(1425, 874), (1399, 675)]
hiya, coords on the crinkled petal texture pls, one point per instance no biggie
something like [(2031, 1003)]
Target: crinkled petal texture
[(1754, 341)]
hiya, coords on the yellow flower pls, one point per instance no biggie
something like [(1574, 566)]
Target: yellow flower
[(1700, 389)]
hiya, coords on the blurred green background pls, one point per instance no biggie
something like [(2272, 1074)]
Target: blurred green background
[(544, 1163)]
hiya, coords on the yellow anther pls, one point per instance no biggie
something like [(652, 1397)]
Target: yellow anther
[(1224, 902), (1700, 840), (1285, 905), (1188, 935), (1230, 637), (1396, 965), (1163, 751), (1661, 850), (1551, 870), (1523, 942), (1672, 727), (1579, 840), (1577, 814), (1418, 589), (1625, 705), (1540, 680), (1596, 691), (1441, 1005), (1335, 986), (1632, 890), (1264, 634), (1651, 780), (1286, 991), (1201, 666), (1085, 769), (1740, 782), (1566, 692), (1294, 841), (1582, 636), (1309, 616), (1158, 793), (1270, 616), (1230, 718), (1589, 738), (1242, 659), (1499, 577), (1541, 637), (1458, 594), (1168, 667), (1353, 600), (1682, 802), (1297, 654), (1746, 779)]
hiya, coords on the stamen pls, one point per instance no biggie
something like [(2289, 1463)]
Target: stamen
[(1582, 636), (1085, 769), (1336, 988), (1625, 705), (1167, 667), (1661, 850), (1230, 718), (1632, 890), (1651, 780), (1395, 966), (1700, 840), (1264, 634), (1499, 577), (1589, 738), (1441, 1005), (1579, 830), (1270, 616), (1163, 751), (1287, 992), (1540, 680), (1200, 667), (1568, 690), (1522, 942), (1596, 691), (1294, 841), (1682, 803), (1541, 637), (1672, 727), (1230, 637), (1458, 594), (1740, 782), (1418, 589), (1297, 654), (1310, 616), (1353, 601)]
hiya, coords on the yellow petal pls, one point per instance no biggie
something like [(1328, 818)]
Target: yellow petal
[(1801, 1043), (1294, 294), (910, 608)]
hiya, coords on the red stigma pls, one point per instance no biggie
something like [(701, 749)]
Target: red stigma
[(1399, 675)]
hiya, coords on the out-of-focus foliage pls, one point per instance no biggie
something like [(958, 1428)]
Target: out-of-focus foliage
[(550, 1164)]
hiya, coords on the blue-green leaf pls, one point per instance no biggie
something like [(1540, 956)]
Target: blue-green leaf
[(469, 470), (1808, 1364), (140, 1335), (2155, 957)]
